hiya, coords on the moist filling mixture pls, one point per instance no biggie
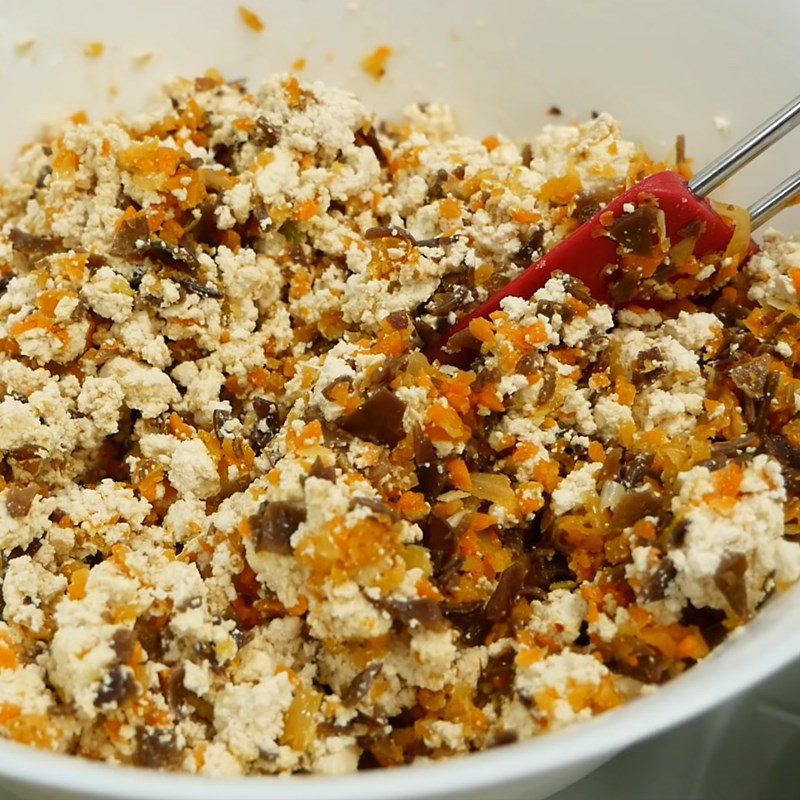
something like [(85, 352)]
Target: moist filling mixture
[(248, 527)]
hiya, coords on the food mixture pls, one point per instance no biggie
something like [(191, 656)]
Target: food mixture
[(247, 525)]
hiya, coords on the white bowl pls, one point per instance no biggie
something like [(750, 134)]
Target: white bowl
[(662, 67)]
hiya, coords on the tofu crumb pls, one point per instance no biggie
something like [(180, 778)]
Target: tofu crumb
[(722, 124)]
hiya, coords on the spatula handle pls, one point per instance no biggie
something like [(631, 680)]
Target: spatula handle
[(746, 149), (774, 201)]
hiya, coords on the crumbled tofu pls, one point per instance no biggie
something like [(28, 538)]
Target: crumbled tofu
[(573, 490), (251, 525), (146, 389), (192, 471), (751, 529)]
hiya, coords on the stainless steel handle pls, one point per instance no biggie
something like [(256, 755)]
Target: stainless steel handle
[(774, 201), (746, 149)]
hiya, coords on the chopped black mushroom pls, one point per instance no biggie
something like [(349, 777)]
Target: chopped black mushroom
[(437, 241), (497, 677), (46, 171), (360, 685), (638, 660), (19, 499), (122, 643), (449, 301), (267, 412), (636, 504), (267, 135), (410, 613), (504, 737), (119, 683), (156, 748), (463, 345), (586, 206), (391, 367), (531, 250), (202, 289), (172, 687), (442, 543), (398, 320), (633, 472), (545, 568), (117, 686), (151, 635), (396, 232), (32, 245), (369, 138), (656, 585), (131, 233), (680, 149), (273, 525), (267, 425), (321, 471), (168, 255), (710, 621), (132, 240), (373, 504), (436, 187), (622, 289), (636, 230), (378, 419), (219, 419), (431, 476), (508, 588), (692, 229), (389, 232), (763, 405), (751, 376), (548, 388), (730, 580), (739, 443), (779, 447), (648, 366), (469, 619)]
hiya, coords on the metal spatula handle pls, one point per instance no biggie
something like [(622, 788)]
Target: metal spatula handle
[(774, 201), (746, 149)]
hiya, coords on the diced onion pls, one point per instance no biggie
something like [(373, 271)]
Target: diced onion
[(493, 487), (611, 494), (679, 253), (417, 363), (661, 230), (453, 494), (740, 241)]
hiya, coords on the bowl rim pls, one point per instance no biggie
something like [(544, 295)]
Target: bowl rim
[(591, 741)]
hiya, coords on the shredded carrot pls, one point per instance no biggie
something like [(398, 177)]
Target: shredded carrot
[(251, 19), (306, 210), (77, 584), (374, 64), (93, 50), (482, 329), (459, 474)]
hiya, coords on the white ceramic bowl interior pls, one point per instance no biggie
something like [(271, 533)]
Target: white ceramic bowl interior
[(661, 66)]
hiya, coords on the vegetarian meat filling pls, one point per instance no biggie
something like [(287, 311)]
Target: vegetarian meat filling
[(248, 527)]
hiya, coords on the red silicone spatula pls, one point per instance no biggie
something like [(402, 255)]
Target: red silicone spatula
[(630, 249)]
